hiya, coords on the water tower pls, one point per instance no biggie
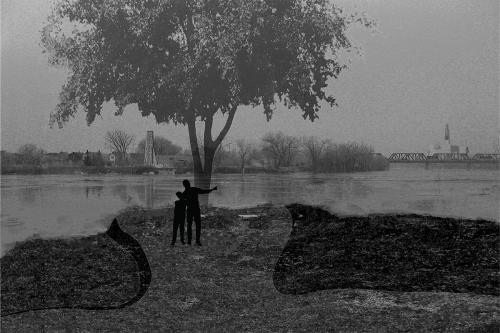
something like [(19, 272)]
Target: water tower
[(149, 151)]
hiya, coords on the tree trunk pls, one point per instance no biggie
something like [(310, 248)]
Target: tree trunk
[(203, 172), (200, 178), (204, 179), (314, 165), (195, 152), (242, 167)]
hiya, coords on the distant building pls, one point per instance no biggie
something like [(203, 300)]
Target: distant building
[(164, 162), (55, 160), (173, 161), (149, 150), (93, 158), (111, 158), (168, 163), (446, 146), (136, 158), (9, 158), (75, 158)]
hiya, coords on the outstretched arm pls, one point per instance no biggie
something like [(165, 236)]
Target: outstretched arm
[(200, 191)]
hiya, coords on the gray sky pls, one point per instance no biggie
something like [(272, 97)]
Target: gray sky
[(432, 62)]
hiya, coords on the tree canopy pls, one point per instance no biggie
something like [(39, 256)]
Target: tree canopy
[(185, 60), (163, 146)]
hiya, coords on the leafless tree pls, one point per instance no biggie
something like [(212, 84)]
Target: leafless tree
[(350, 156), (119, 141), (315, 148), (220, 154), (31, 154), (281, 148), (245, 151)]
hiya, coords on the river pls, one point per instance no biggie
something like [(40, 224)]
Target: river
[(70, 205)]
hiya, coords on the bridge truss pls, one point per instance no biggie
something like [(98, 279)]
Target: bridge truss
[(443, 157), (407, 157)]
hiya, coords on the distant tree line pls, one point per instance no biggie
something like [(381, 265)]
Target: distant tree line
[(30, 154), (275, 151)]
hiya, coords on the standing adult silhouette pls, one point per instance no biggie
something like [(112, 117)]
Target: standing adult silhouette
[(190, 194)]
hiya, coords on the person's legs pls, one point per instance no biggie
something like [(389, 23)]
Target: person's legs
[(189, 224), (181, 227)]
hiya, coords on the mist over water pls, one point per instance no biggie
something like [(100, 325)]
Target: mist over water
[(70, 205)]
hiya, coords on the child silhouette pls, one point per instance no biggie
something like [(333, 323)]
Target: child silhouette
[(179, 217)]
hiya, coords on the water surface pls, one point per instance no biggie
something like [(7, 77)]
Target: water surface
[(71, 205)]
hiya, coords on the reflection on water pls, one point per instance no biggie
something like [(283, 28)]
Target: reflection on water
[(55, 206)]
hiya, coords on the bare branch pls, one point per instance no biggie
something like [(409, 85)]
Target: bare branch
[(226, 127), (281, 148), (119, 141)]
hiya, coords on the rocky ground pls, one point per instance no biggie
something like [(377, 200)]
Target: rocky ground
[(389, 252), (227, 286), (87, 272)]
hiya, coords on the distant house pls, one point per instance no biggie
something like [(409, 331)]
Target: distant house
[(75, 158), (174, 161), (55, 160), (9, 158), (93, 158), (111, 158), (115, 158), (135, 158), (165, 161)]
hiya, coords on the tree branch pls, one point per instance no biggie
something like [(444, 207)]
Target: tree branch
[(226, 127)]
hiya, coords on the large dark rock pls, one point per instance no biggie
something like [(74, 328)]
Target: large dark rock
[(390, 252), (105, 271)]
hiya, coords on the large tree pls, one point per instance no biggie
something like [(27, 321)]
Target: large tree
[(119, 141), (244, 150), (162, 146), (314, 147), (280, 148), (185, 60)]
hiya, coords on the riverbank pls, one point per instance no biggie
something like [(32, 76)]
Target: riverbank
[(70, 170), (227, 285), (134, 170)]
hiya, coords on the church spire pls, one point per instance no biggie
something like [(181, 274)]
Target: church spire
[(447, 133)]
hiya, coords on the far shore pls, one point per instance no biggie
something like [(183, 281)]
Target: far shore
[(139, 170)]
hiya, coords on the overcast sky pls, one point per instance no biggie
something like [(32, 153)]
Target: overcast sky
[(432, 62)]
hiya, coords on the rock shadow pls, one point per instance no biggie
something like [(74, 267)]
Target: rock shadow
[(388, 252)]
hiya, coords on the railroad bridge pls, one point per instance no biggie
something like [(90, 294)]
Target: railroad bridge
[(442, 158)]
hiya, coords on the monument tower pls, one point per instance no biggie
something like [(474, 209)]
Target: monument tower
[(149, 151)]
